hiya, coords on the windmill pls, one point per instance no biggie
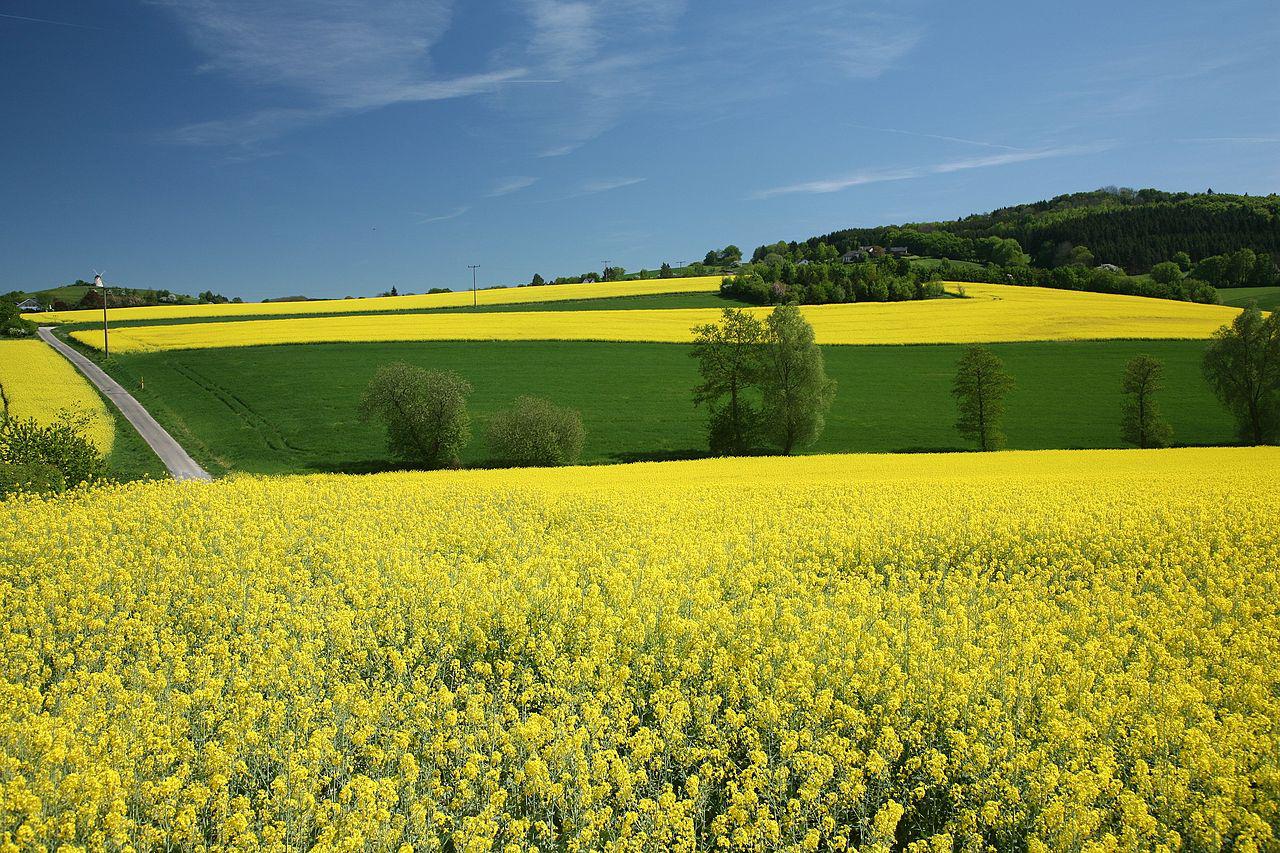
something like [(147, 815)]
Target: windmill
[(101, 285)]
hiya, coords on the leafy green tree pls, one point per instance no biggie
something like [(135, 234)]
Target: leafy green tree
[(424, 412), (730, 254), (11, 322), (535, 431), (1238, 267), (665, 270), (729, 361), (1242, 365), (1264, 272), (1166, 272), (537, 280), (1183, 260), (712, 258), (1080, 256), (1004, 252), (62, 444), (980, 386), (795, 390), (1140, 421)]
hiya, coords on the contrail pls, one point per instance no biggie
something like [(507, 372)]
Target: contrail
[(47, 21), (937, 136)]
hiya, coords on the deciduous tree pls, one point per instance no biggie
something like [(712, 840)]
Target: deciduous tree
[(1242, 365), (730, 363), (1140, 421), (795, 389), (535, 431), (424, 412), (980, 386)]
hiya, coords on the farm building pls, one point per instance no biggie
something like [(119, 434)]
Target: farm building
[(28, 305)]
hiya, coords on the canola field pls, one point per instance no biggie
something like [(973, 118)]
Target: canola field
[(39, 383), (492, 296), (1037, 651), (992, 313)]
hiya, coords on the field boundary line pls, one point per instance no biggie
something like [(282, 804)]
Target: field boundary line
[(178, 462)]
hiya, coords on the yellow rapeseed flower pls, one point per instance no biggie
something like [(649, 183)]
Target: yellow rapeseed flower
[(460, 298), (1046, 650), (992, 312), (39, 383)]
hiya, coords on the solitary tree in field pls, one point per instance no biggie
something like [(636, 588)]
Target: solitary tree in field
[(664, 271), (535, 431), (980, 386), (1242, 365), (729, 360), (424, 412), (795, 389), (1140, 422)]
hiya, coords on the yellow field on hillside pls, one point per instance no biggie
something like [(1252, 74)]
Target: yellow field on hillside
[(1059, 650), (40, 383), (492, 296), (992, 313)]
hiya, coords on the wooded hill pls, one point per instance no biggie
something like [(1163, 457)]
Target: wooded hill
[(1133, 229)]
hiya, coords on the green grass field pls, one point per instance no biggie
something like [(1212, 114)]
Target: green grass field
[(702, 299), (1268, 298), (293, 408), (69, 293)]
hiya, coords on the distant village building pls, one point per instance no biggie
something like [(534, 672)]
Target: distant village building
[(1109, 268), (854, 255), (28, 305), (899, 251)]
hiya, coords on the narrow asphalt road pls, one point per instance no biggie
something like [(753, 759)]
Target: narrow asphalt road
[(180, 465)]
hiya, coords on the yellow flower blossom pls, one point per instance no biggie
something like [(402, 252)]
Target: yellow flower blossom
[(1044, 650), (993, 312)]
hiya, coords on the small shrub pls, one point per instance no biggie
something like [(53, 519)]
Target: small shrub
[(37, 477), (534, 431), (62, 444)]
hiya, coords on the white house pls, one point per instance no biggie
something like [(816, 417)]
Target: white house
[(27, 306)]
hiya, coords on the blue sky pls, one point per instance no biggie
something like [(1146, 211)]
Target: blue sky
[(333, 147)]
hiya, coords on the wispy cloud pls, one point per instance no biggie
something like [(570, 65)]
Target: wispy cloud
[(605, 186), (332, 57), (47, 21), (857, 40), (1244, 140), (427, 218), (510, 185), (875, 176), (589, 45), (938, 136), (684, 66)]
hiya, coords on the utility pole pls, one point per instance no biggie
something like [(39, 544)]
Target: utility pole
[(474, 299), (106, 345)]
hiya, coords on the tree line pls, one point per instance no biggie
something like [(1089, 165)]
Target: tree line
[(1133, 229), (773, 279)]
